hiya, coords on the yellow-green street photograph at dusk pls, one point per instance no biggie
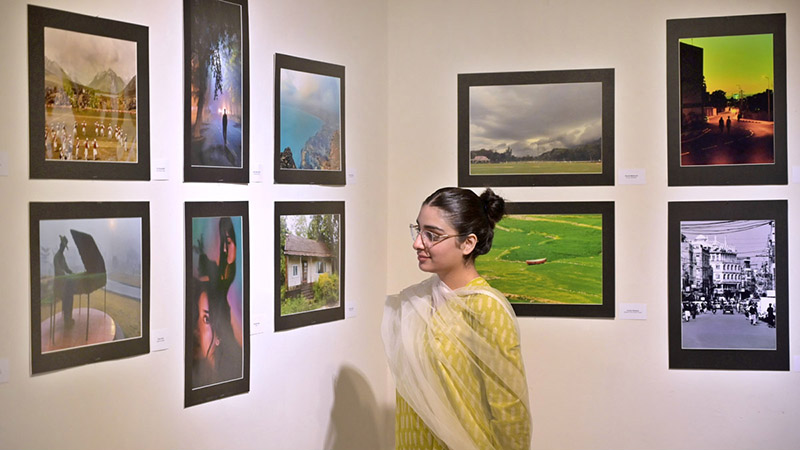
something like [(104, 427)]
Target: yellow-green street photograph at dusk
[(727, 100)]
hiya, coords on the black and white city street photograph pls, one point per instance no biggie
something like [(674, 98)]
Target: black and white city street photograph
[(728, 284)]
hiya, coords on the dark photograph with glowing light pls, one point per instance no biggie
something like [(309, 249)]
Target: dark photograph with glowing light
[(216, 90)]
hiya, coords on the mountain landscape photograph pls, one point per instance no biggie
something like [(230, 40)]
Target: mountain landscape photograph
[(551, 128), (90, 97)]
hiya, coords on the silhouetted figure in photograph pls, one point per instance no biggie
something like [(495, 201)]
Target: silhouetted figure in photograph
[(771, 316), (225, 127), (721, 125), (62, 288), (728, 124)]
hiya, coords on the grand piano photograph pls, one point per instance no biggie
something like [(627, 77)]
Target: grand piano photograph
[(71, 326), (89, 282)]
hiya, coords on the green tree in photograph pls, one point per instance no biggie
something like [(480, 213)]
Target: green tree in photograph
[(283, 232), (325, 228)]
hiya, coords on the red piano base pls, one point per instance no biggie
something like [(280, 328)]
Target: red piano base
[(101, 328)]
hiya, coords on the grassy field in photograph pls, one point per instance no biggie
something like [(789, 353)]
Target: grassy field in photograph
[(572, 244), (536, 167), (108, 148), (125, 311)]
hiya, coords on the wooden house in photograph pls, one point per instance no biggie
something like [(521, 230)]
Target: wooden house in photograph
[(306, 259)]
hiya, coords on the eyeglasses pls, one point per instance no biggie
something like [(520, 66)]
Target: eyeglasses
[(429, 238)]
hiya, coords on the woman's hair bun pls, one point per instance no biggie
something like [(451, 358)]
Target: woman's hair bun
[(470, 213), (494, 205)]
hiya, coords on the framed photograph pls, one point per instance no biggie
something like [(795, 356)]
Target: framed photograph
[(309, 122), (728, 285), (216, 111), (726, 100), (217, 301), (88, 91), (550, 128), (554, 259), (90, 283), (309, 263)]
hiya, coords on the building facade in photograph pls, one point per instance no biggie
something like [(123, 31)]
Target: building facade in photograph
[(306, 260), (700, 275)]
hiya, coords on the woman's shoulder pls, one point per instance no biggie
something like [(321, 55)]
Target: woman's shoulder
[(478, 282), (483, 297)]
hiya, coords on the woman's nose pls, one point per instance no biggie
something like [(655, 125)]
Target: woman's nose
[(418, 245)]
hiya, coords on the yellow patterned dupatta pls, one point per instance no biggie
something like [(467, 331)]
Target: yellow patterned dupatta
[(456, 361)]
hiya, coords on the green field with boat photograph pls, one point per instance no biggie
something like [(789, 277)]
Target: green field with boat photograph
[(547, 258)]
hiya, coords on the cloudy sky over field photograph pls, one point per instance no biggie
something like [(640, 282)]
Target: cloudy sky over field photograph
[(533, 119)]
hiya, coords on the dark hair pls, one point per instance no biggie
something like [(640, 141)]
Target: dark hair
[(469, 213), (226, 272), (219, 311)]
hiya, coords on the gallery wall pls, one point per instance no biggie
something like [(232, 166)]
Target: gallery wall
[(323, 386), (594, 383)]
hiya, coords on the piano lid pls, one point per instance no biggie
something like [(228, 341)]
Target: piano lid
[(90, 255)]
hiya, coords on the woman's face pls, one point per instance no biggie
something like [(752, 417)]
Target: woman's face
[(203, 331), (437, 257)]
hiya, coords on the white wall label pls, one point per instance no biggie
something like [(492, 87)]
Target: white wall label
[(352, 177), (3, 164), (633, 311), (4, 370), (350, 310), (795, 173), (160, 169), (632, 176), (159, 340), (796, 363), (258, 323), (256, 174)]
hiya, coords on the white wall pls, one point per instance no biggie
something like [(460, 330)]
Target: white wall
[(318, 387), (593, 383)]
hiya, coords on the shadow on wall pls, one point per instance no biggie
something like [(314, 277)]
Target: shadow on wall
[(357, 422)]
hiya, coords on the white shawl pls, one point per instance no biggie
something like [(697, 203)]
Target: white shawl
[(429, 331)]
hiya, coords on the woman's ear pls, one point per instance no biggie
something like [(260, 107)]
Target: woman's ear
[(469, 244)]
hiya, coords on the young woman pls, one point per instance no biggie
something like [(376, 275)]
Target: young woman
[(452, 341)]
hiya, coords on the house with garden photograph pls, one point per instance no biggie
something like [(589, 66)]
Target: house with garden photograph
[(306, 260)]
